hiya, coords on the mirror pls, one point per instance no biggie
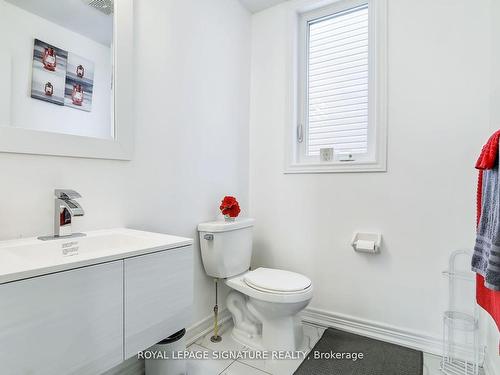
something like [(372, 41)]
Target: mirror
[(58, 66)]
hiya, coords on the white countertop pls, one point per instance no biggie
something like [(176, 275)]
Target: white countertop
[(31, 257)]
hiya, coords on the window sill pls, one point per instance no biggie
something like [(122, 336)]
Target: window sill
[(336, 167)]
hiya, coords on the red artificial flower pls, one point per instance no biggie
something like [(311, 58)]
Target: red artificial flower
[(230, 207)]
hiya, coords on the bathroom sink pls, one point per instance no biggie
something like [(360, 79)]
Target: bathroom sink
[(24, 258)]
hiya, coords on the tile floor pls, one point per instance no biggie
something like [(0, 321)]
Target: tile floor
[(258, 366)]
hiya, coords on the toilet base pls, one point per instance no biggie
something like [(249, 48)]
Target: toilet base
[(262, 325), (256, 343)]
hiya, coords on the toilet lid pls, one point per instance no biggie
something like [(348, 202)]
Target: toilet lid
[(268, 279)]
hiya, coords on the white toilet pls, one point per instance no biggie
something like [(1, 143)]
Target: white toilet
[(265, 303)]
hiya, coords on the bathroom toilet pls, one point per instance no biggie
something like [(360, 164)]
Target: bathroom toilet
[(265, 303)]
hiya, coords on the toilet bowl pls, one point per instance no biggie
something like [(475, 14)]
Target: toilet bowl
[(265, 306), (265, 303)]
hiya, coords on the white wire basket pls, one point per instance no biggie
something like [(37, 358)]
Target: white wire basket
[(461, 347)]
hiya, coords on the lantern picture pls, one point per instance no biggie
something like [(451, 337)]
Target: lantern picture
[(49, 89), (80, 71), (49, 72), (77, 95), (49, 59), (79, 86)]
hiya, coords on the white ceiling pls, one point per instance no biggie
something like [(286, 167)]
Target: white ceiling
[(258, 5), (73, 15)]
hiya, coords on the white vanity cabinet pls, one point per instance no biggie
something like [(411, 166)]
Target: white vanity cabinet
[(64, 323), (158, 297), (120, 292)]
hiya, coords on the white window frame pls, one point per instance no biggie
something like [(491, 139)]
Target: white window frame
[(376, 160)]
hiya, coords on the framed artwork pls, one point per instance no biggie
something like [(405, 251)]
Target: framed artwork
[(62, 77), (79, 83), (49, 73)]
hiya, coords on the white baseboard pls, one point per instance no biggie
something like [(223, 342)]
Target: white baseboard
[(204, 326), (384, 332)]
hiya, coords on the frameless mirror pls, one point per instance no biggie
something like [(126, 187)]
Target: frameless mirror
[(58, 64)]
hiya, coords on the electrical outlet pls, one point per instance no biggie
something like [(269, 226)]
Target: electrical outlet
[(326, 154)]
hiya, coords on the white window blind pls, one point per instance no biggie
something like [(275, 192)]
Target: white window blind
[(337, 83)]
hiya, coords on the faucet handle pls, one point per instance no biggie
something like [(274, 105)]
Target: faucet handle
[(66, 194)]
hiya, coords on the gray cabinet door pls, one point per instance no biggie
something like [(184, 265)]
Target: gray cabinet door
[(63, 323), (158, 297)]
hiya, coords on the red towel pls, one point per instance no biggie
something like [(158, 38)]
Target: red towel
[(486, 298)]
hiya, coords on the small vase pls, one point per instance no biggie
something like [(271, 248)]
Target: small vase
[(229, 218)]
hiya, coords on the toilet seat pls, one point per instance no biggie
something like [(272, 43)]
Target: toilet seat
[(238, 283), (276, 281)]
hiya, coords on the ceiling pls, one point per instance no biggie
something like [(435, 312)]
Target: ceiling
[(258, 5), (74, 15)]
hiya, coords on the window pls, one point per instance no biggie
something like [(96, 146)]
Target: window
[(341, 89)]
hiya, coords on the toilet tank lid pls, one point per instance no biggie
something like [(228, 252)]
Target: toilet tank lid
[(225, 226)]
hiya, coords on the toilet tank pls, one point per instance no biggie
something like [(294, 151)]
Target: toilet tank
[(226, 247)]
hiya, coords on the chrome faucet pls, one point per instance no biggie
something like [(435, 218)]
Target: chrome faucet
[(64, 209)]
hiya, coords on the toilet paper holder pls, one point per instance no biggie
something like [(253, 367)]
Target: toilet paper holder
[(366, 242)]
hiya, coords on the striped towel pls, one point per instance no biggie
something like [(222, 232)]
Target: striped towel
[(486, 257), (486, 298)]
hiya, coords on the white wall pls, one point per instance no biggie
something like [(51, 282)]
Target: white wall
[(192, 88), (490, 329), (424, 205), (20, 29), (495, 65)]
